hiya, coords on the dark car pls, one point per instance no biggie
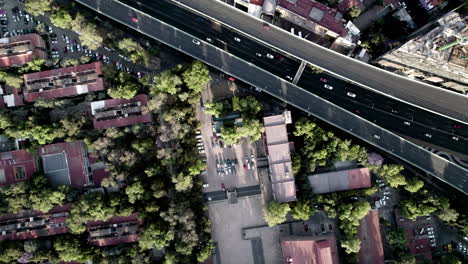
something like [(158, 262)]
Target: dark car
[(4, 29), (4, 22), (26, 21)]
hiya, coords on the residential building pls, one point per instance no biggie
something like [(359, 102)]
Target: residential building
[(371, 251), (16, 166), (322, 20), (30, 224), (63, 82), (279, 157), (66, 163), (19, 50), (429, 4), (10, 96), (309, 250), (118, 230), (120, 112), (340, 180), (438, 56)]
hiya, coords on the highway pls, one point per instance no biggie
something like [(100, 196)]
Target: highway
[(432, 164), (386, 111)]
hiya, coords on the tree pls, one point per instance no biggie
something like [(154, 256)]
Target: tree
[(11, 80), (166, 82), (135, 192), (196, 76), (127, 90), (391, 173), (413, 185), (351, 245), (37, 7), (155, 236), (69, 249), (84, 59), (275, 213), (62, 19), (406, 259), (450, 259), (397, 239), (354, 12), (206, 251), (302, 210), (182, 182), (250, 107), (215, 108), (34, 65), (251, 129), (448, 215), (69, 62)]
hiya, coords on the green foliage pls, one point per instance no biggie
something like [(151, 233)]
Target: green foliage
[(125, 89), (315, 69), (450, 259), (155, 236), (397, 239), (69, 62), (302, 210), (413, 185), (69, 249), (252, 129), (351, 245), (205, 251), (236, 104), (37, 7), (196, 77), (62, 19), (142, 146), (135, 192), (34, 65), (12, 80), (134, 50), (215, 108), (44, 134), (275, 213), (182, 182), (424, 204), (88, 34), (166, 82), (9, 252), (448, 215), (250, 107), (5, 121), (392, 175), (354, 12)]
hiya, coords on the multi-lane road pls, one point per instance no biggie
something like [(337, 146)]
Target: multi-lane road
[(290, 93), (388, 112)]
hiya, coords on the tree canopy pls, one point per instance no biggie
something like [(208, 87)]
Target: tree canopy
[(275, 213), (37, 7)]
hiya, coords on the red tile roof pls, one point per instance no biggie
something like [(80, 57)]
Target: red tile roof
[(122, 121), (345, 5), (111, 235), (14, 161), (37, 46), (309, 250), (91, 85), (257, 2), (75, 161), (371, 240), (419, 246), (328, 21)]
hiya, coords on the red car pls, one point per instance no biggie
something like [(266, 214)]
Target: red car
[(266, 26), (223, 187), (231, 78), (323, 80), (456, 126), (134, 19)]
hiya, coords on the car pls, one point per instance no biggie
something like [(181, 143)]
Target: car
[(209, 40), (406, 123), (65, 49), (377, 136), (351, 95), (328, 87), (456, 126), (223, 187), (4, 29), (26, 21), (322, 226), (323, 80), (455, 138), (21, 13), (230, 78), (134, 19), (4, 22), (266, 26), (78, 47), (270, 56), (38, 22), (237, 39), (67, 40), (28, 17), (252, 157), (428, 135), (196, 42), (330, 227), (206, 185), (289, 77), (386, 193), (139, 75), (258, 55)]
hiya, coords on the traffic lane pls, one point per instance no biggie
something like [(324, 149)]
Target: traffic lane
[(219, 36), (377, 100), (439, 100), (304, 100)]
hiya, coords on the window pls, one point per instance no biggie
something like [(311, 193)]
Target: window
[(19, 173)]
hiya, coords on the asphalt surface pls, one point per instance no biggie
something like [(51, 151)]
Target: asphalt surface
[(446, 171), (390, 113), (438, 100)]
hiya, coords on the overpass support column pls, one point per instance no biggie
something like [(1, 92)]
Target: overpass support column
[(299, 72)]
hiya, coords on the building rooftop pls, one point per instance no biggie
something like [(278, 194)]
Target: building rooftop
[(279, 157), (120, 112), (63, 82), (309, 250), (345, 5), (21, 49), (16, 166), (321, 14), (65, 163), (10, 96), (340, 180), (371, 240), (118, 230)]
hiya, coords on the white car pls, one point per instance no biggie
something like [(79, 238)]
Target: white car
[(406, 123), (196, 42), (258, 54), (270, 56), (289, 77), (455, 138), (237, 39), (328, 87), (209, 40), (428, 135), (351, 95), (206, 185)]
